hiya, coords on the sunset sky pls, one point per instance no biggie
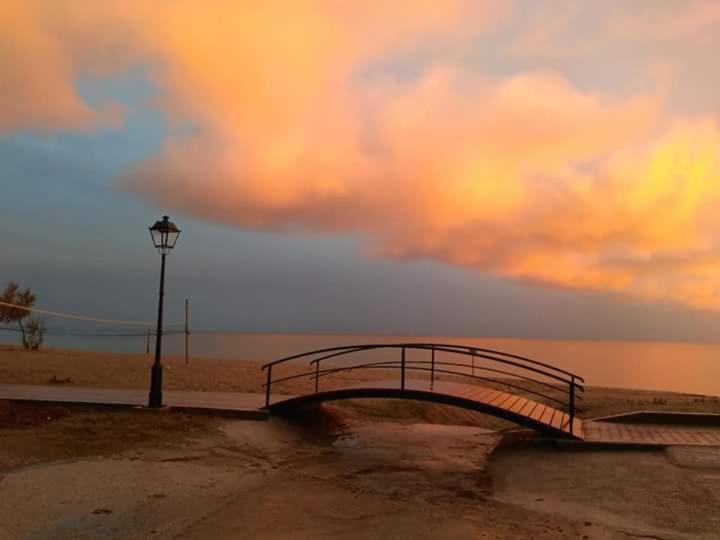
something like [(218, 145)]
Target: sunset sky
[(528, 168)]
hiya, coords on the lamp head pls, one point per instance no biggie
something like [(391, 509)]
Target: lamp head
[(164, 235)]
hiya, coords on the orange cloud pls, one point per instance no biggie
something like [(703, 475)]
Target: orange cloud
[(525, 176), (38, 73)]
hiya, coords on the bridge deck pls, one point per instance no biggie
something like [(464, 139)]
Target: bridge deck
[(521, 410)]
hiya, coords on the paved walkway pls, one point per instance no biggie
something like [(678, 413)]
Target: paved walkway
[(250, 405), (245, 404)]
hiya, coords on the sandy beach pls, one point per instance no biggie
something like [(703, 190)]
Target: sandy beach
[(123, 370), (362, 469)]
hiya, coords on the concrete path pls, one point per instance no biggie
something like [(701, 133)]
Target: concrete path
[(244, 404)]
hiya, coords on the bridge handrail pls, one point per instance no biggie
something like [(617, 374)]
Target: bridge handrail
[(474, 350), (462, 349), (390, 364), (474, 354)]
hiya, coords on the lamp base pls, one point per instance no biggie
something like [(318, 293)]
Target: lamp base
[(155, 399)]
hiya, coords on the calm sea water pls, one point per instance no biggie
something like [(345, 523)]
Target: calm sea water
[(681, 367)]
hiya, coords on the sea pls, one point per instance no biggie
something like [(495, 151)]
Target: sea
[(650, 365)]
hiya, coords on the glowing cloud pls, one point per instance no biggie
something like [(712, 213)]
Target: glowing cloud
[(302, 122)]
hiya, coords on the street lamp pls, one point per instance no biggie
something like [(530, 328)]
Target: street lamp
[(164, 235)]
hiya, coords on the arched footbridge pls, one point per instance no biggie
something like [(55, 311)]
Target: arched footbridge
[(527, 392)]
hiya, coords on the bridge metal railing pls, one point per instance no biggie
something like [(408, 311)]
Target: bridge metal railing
[(493, 363)]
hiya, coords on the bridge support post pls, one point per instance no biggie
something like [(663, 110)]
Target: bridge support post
[(432, 369), (402, 370), (267, 386), (571, 404)]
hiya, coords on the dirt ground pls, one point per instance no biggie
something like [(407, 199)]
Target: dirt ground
[(82, 472)]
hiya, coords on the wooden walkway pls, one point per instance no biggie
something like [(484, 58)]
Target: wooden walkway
[(631, 434), (521, 410)]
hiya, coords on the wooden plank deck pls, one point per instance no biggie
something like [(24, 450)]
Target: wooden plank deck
[(512, 407)]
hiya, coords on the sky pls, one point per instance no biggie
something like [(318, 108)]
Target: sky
[(526, 168)]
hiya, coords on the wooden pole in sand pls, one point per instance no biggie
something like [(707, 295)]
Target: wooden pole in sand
[(187, 332), (147, 343)]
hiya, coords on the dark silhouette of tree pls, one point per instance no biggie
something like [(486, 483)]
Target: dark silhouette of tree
[(33, 331)]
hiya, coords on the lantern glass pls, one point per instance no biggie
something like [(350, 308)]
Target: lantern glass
[(171, 238), (164, 235)]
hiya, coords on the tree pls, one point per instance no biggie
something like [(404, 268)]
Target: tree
[(33, 331)]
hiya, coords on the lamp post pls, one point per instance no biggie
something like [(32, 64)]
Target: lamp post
[(164, 235)]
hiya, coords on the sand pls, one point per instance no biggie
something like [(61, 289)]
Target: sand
[(117, 370), (367, 469), (672, 493)]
